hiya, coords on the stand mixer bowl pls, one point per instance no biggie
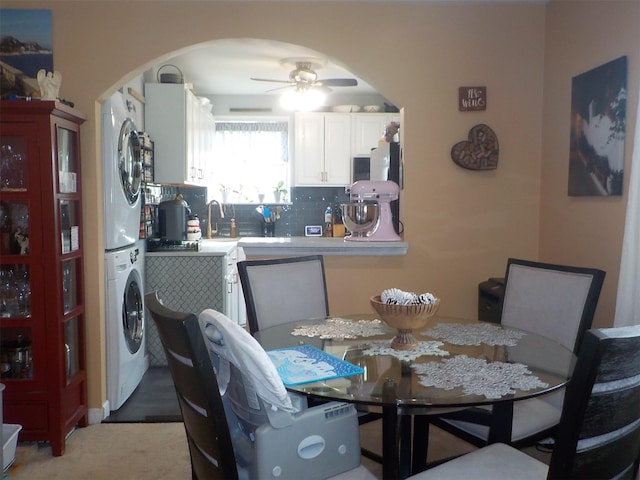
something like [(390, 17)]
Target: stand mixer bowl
[(360, 218)]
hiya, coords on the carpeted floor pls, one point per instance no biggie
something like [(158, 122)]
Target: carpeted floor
[(123, 451), (153, 451)]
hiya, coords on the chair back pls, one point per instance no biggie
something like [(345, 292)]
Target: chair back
[(210, 447), (555, 301), (273, 430), (283, 290), (599, 431)]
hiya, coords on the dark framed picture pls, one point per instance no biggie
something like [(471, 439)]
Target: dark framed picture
[(25, 48), (598, 126)]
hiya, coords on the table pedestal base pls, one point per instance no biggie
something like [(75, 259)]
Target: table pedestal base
[(404, 340)]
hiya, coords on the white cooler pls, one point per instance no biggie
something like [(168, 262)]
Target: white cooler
[(9, 443)]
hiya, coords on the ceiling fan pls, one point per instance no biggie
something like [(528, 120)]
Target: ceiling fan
[(304, 77)]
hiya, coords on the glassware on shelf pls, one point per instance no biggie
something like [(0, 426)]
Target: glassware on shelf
[(7, 292), (23, 291), (12, 165), (16, 360), (15, 291), (14, 227)]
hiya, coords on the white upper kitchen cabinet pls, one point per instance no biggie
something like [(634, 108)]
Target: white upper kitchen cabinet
[(322, 152), (367, 130), (182, 129)]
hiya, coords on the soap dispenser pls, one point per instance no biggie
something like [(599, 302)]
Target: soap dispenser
[(233, 228), (328, 222)]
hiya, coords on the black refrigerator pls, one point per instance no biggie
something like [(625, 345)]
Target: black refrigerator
[(385, 164)]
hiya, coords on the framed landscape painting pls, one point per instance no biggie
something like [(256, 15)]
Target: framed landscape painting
[(598, 126), (25, 48)]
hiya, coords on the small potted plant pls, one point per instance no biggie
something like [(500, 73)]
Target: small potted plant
[(278, 190), (226, 192)]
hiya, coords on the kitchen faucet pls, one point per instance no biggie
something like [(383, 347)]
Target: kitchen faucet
[(214, 231)]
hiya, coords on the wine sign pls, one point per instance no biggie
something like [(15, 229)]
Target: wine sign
[(472, 99)]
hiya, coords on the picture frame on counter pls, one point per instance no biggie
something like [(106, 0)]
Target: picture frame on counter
[(313, 230)]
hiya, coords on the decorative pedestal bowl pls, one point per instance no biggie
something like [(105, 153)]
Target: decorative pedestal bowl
[(406, 319)]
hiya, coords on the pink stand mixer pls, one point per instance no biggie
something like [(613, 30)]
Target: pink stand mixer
[(368, 216)]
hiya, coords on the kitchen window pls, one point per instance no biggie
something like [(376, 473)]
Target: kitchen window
[(251, 158)]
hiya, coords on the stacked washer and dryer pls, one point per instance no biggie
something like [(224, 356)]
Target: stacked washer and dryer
[(127, 359)]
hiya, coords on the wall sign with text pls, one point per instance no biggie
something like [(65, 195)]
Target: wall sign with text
[(472, 99)]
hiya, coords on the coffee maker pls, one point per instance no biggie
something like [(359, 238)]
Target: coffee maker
[(172, 217)]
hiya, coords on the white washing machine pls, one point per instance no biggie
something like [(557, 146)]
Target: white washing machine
[(127, 358), (122, 174)]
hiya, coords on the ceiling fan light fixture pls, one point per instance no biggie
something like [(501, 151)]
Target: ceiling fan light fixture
[(303, 100)]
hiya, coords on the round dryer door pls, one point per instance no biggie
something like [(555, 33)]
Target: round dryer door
[(133, 314), (130, 160)]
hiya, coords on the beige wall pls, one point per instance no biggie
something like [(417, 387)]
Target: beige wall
[(461, 225), (584, 230)]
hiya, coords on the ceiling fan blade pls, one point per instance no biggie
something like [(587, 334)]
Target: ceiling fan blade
[(338, 82), (278, 88), (270, 80)]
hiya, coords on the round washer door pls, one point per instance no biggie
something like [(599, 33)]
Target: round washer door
[(130, 161), (133, 313)]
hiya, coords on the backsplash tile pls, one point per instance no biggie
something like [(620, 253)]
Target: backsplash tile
[(306, 208)]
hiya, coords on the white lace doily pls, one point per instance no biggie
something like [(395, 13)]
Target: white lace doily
[(383, 347), (339, 328), (474, 334), (477, 377)]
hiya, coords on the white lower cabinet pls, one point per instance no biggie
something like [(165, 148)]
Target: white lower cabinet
[(192, 282)]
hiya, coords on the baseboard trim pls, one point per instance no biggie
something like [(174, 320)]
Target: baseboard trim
[(97, 415)]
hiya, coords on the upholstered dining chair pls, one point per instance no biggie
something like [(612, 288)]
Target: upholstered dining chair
[(555, 301), (599, 431), (282, 290), (243, 424), (210, 448)]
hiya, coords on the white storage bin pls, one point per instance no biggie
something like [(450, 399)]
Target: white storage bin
[(9, 443)]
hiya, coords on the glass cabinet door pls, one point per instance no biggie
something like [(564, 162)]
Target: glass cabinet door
[(15, 266), (69, 225), (72, 347), (67, 161), (69, 285)]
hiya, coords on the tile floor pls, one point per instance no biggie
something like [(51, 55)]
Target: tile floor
[(153, 401)]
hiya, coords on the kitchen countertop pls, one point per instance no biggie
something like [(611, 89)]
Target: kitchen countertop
[(318, 246), (213, 247), (291, 246)]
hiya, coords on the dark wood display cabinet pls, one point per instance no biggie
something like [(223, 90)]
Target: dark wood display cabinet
[(42, 314)]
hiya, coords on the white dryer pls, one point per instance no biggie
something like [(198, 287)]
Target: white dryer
[(122, 174), (127, 359)]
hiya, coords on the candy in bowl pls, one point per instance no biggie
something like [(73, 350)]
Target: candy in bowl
[(406, 319)]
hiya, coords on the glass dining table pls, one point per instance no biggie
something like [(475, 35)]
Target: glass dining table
[(457, 364)]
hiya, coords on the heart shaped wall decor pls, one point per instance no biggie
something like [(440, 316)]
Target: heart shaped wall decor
[(479, 152)]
